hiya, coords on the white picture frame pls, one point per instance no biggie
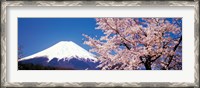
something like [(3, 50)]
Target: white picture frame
[(5, 25)]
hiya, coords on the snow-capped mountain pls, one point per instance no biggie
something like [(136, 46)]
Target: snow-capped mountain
[(64, 54)]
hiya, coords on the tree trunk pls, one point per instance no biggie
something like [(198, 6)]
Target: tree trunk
[(147, 65)]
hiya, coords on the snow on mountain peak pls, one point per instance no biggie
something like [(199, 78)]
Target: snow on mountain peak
[(62, 50)]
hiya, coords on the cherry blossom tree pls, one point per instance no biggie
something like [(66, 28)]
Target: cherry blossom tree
[(138, 43)]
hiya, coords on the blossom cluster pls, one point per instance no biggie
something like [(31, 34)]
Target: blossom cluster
[(138, 43)]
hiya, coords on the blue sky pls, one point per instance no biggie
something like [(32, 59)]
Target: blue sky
[(36, 34)]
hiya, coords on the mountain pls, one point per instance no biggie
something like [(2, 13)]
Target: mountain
[(63, 55)]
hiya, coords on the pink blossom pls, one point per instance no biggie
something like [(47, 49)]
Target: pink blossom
[(128, 44)]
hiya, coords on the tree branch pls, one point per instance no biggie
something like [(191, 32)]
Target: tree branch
[(117, 32), (171, 57)]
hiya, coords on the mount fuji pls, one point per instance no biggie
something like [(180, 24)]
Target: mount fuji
[(63, 55)]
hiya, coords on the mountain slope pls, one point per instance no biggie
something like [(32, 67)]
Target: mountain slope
[(65, 54)]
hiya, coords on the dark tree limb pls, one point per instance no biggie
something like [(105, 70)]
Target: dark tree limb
[(171, 57)]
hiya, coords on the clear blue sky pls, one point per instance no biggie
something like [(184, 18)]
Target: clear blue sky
[(36, 34)]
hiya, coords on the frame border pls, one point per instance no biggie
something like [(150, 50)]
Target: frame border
[(5, 4)]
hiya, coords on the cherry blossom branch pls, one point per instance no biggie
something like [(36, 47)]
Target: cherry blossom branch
[(171, 57), (117, 32)]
